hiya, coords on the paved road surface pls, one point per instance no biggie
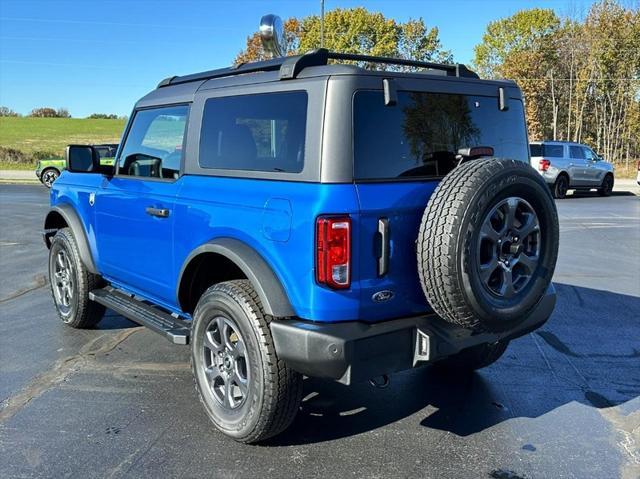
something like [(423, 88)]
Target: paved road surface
[(119, 401)]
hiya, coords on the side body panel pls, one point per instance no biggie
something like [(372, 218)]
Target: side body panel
[(255, 212)]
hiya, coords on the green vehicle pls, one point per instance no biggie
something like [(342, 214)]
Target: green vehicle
[(48, 171)]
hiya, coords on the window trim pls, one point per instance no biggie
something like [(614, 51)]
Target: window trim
[(242, 173), (125, 137)]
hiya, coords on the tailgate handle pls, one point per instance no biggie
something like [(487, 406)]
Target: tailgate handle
[(383, 260)]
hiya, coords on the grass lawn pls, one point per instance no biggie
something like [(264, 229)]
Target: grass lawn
[(53, 134)]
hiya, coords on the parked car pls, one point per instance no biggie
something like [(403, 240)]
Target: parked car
[(48, 171), (571, 166), (296, 217)]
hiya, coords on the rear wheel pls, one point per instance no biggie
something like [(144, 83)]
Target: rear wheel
[(49, 176), (476, 357), (248, 393), (560, 187), (71, 283), (607, 186)]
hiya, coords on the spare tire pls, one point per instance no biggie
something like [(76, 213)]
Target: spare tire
[(488, 244)]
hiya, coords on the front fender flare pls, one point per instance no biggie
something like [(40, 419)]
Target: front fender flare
[(72, 219), (269, 288)]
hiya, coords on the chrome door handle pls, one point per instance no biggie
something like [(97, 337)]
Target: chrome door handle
[(383, 260), (159, 212)]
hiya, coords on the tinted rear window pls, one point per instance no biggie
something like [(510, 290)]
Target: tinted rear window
[(421, 135), (263, 132), (551, 151)]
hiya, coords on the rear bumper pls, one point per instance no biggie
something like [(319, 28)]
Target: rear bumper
[(355, 351)]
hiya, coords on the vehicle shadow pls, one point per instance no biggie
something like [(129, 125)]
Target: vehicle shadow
[(575, 195), (592, 334)]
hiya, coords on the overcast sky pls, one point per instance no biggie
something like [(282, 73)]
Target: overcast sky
[(101, 56)]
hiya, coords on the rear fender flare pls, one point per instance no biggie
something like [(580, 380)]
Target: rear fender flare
[(269, 288)]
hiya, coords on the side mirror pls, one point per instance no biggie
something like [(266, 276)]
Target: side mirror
[(82, 159)]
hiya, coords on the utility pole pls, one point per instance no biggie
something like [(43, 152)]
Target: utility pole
[(321, 23)]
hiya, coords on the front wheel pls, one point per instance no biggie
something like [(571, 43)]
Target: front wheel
[(607, 186), (248, 393), (49, 176), (71, 283)]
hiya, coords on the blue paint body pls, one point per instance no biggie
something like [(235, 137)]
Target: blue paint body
[(145, 254)]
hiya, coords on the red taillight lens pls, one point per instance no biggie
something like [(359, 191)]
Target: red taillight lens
[(333, 250), (544, 165)]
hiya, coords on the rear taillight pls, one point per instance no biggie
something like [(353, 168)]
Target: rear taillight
[(544, 165), (333, 251)]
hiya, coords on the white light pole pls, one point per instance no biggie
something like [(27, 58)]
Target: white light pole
[(321, 23)]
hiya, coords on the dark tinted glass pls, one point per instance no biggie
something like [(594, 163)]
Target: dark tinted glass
[(421, 135), (154, 144), (535, 150), (255, 132), (552, 151), (576, 152)]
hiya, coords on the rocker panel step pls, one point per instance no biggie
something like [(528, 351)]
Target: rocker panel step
[(175, 330)]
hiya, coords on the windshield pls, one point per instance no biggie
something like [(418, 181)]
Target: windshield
[(422, 134)]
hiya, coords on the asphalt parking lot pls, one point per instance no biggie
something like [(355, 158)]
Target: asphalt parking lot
[(118, 401)]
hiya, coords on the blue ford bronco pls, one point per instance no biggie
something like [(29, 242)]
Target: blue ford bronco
[(311, 216)]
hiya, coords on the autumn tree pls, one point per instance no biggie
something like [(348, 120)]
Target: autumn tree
[(356, 30)]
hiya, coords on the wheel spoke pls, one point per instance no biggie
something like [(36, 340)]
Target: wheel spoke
[(241, 383), (210, 343), (60, 261), (239, 350), (531, 225), (487, 231), (486, 270), (228, 393), (506, 289), (512, 206), (529, 262)]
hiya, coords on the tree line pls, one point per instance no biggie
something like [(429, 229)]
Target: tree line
[(580, 77), (48, 112)]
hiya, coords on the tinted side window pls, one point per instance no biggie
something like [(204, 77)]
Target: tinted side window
[(576, 152), (553, 151), (153, 147), (264, 132), (422, 134), (589, 154)]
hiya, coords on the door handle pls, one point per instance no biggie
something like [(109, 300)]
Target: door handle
[(159, 212), (383, 260)]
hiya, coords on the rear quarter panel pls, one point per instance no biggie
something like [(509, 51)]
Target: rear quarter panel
[(276, 219)]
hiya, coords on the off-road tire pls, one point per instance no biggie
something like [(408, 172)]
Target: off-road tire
[(476, 357), (44, 176), (448, 242), (275, 390), (560, 187), (82, 312), (607, 185)]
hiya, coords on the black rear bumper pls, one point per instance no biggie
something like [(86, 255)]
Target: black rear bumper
[(355, 351)]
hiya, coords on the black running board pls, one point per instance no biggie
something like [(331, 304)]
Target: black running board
[(174, 329)]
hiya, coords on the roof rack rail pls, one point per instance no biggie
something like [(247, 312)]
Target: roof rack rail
[(290, 67)]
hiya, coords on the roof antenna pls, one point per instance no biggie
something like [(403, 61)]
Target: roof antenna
[(272, 35)]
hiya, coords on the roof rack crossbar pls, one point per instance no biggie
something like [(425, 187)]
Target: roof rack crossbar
[(290, 67)]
